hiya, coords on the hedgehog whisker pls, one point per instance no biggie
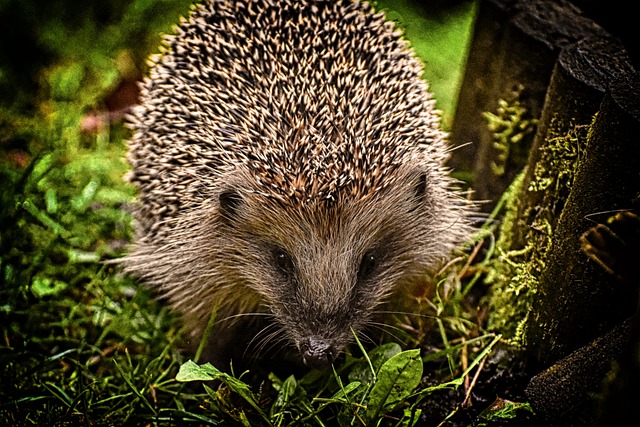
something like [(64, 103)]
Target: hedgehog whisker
[(453, 148), (264, 340), (245, 314), (363, 336), (384, 327), (277, 340), (258, 341), (406, 313)]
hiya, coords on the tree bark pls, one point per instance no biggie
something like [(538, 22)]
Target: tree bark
[(577, 300), (566, 394), (515, 45), (578, 84)]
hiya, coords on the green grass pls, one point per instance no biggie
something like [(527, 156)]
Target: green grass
[(83, 344)]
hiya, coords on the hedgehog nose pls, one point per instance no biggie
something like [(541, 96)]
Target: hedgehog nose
[(317, 353)]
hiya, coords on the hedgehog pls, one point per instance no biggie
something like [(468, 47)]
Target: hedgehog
[(291, 176)]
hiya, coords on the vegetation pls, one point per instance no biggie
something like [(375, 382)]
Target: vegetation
[(83, 344), (526, 231)]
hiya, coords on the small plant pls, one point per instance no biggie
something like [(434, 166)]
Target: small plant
[(383, 387), (510, 125)]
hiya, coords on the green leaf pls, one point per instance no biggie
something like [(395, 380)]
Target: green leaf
[(502, 409), (59, 393), (344, 391), (191, 371), (78, 256), (211, 392), (411, 417), (286, 391), (42, 167), (82, 201), (66, 81), (128, 380), (44, 219), (51, 201), (361, 371), (340, 395), (397, 378)]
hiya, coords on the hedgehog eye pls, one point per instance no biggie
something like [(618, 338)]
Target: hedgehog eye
[(367, 265), (283, 261), (230, 202)]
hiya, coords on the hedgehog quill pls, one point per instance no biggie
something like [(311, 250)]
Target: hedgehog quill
[(291, 175)]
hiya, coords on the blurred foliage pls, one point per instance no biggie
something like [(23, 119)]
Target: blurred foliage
[(84, 38), (439, 31), (66, 318)]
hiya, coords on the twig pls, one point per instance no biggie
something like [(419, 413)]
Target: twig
[(467, 399)]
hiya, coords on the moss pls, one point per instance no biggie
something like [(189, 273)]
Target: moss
[(511, 123), (508, 274), (531, 211)]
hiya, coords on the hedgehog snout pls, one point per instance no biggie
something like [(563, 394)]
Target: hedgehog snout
[(317, 352)]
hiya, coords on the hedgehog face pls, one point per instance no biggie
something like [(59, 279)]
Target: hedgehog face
[(323, 269)]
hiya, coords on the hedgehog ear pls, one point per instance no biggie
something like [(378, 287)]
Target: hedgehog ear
[(420, 187), (230, 202)]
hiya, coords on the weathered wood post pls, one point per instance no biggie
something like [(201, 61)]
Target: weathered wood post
[(578, 84), (580, 167), (514, 48), (577, 300), (477, 93), (580, 314)]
